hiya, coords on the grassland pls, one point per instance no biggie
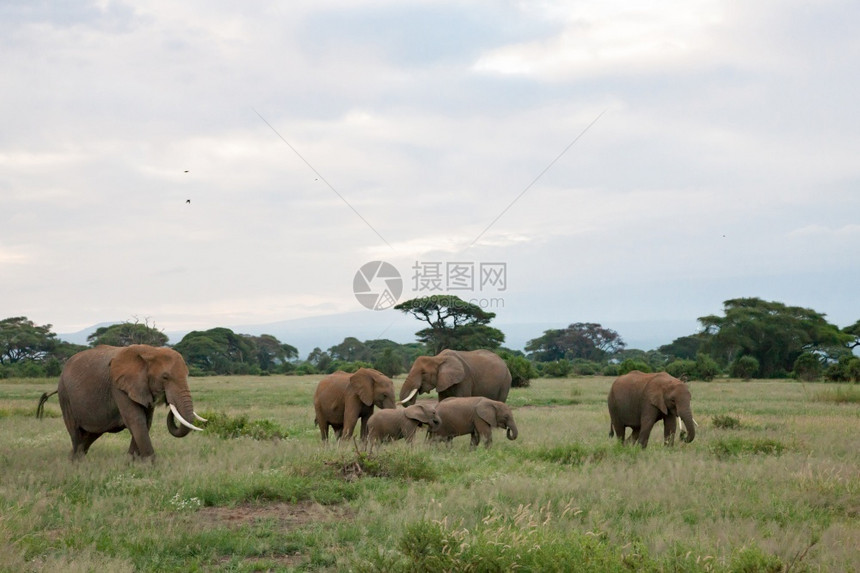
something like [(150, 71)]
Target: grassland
[(772, 483)]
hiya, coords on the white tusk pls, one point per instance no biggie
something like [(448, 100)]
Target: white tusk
[(182, 421), (197, 416), (411, 394)]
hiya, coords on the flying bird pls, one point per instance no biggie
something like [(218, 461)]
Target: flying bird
[(188, 201), (186, 171)]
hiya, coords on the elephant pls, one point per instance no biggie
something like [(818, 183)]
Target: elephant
[(110, 388), (342, 398), (637, 400), (474, 415), (401, 423), (458, 373)]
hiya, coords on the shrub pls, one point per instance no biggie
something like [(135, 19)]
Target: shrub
[(630, 365), (347, 366), (706, 367), (682, 367), (556, 369), (522, 369), (732, 447), (845, 370), (808, 367), (744, 367), (227, 427), (726, 422), (610, 370), (582, 367)]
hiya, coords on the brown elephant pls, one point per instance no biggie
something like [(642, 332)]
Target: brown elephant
[(342, 398), (110, 388), (476, 416), (638, 400), (458, 373), (401, 423)]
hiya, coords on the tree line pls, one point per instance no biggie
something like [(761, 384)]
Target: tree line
[(753, 338)]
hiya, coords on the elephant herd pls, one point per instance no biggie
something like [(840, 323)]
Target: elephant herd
[(472, 388), (108, 389)]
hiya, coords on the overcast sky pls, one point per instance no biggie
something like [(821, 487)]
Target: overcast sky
[(313, 137)]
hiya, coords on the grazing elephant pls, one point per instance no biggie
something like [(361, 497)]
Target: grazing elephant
[(476, 416), (110, 388), (458, 373), (342, 398), (637, 400), (401, 423)]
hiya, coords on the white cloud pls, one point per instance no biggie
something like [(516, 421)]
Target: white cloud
[(610, 38)]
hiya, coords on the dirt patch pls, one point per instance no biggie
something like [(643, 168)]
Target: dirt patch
[(287, 515)]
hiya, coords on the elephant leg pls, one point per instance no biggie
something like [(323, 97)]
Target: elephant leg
[(364, 430), (475, 440), (324, 431), (645, 432), (670, 426), (485, 431), (81, 442)]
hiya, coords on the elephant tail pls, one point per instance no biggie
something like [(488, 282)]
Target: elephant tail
[(40, 409), (611, 431)]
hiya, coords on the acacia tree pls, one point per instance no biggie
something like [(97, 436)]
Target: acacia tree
[(854, 332), (771, 332), (22, 340), (219, 350), (586, 340), (454, 323), (128, 333), (271, 352)]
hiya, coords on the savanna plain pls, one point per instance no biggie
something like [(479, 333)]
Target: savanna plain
[(771, 483)]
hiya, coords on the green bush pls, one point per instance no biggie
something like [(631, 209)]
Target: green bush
[(227, 427), (846, 369), (706, 367), (629, 365), (744, 367), (682, 367), (521, 368), (808, 367), (733, 447), (610, 370), (582, 367), (347, 366), (726, 422), (556, 369)]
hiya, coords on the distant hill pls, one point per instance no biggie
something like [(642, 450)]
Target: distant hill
[(329, 330)]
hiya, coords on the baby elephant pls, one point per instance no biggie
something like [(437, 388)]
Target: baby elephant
[(476, 416), (385, 425)]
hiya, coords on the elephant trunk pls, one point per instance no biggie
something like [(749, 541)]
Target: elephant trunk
[(512, 431), (181, 408), (689, 423)]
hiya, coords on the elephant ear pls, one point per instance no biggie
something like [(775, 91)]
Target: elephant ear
[(128, 372), (417, 413), (362, 384), (451, 371), (486, 411), (655, 396)]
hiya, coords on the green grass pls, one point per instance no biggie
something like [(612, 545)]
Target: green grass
[(769, 484), (841, 395)]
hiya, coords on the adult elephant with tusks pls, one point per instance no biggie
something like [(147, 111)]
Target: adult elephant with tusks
[(110, 388), (458, 373), (638, 400)]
